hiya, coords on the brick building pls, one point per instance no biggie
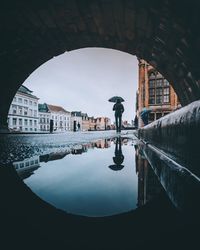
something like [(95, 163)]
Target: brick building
[(155, 93)]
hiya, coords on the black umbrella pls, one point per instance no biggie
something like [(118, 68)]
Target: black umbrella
[(116, 167), (115, 98)]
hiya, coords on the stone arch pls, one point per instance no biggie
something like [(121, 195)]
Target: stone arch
[(163, 32)]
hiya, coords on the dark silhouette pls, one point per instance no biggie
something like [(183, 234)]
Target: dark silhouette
[(51, 126), (118, 158), (74, 127), (119, 109), (79, 126), (136, 122)]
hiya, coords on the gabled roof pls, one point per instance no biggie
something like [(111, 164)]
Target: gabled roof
[(76, 113), (54, 108), (24, 90), (43, 107)]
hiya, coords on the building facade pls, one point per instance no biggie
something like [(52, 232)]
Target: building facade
[(76, 121), (85, 122), (154, 93), (103, 123), (23, 112), (61, 118), (92, 123), (44, 117)]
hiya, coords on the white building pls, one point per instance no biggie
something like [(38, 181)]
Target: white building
[(26, 167), (44, 117), (23, 112), (61, 118), (76, 121)]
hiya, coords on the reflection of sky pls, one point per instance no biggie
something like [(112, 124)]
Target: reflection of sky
[(84, 184)]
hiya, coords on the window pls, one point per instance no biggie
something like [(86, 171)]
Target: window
[(151, 117), (158, 115), (35, 103), (159, 91), (20, 100), (35, 113), (21, 165), (26, 129), (20, 110), (14, 109), (14, 99), (25, 111), (25, 101), (35, 122), (27, 163), (20, 121), (14, 121), (30, 102), (166, 83), (31, 122)]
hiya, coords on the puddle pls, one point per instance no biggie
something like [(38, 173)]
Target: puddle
[(97, 179)]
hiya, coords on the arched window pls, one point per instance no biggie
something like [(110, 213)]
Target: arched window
[(159, 90)]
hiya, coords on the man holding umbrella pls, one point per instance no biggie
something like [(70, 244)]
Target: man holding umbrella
[(119, 109)]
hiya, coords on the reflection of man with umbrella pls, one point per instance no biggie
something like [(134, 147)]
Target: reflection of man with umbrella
[(118, 158), (119, 109)]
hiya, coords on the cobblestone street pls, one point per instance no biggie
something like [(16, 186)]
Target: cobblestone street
[(16, 147)]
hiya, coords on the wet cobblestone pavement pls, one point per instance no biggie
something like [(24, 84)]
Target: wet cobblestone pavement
[(16, 147)]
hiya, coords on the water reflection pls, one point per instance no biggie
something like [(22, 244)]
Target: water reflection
[(79, 181), (148, 183), (119, 157)]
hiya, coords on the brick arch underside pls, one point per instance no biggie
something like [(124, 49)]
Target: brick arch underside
[(164, 33)]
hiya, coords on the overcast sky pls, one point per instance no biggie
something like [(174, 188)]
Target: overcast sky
[(84, 80)]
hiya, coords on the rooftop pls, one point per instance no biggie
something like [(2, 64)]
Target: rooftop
[(54, 108), (43, 107), (24, 90), (76, 113)]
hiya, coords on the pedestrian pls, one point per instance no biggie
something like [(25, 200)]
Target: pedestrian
[(119, 109), (79, 126)]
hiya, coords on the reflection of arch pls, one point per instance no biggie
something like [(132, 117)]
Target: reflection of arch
[(142, 28)]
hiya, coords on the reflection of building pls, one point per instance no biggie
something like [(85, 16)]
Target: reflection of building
[(54, 156), (26, 167), (148, 184), (44, 117), (126, 124), (23, 112), (79, 149), (103, 123), (154, 92), (103, 143), (61, 118)]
